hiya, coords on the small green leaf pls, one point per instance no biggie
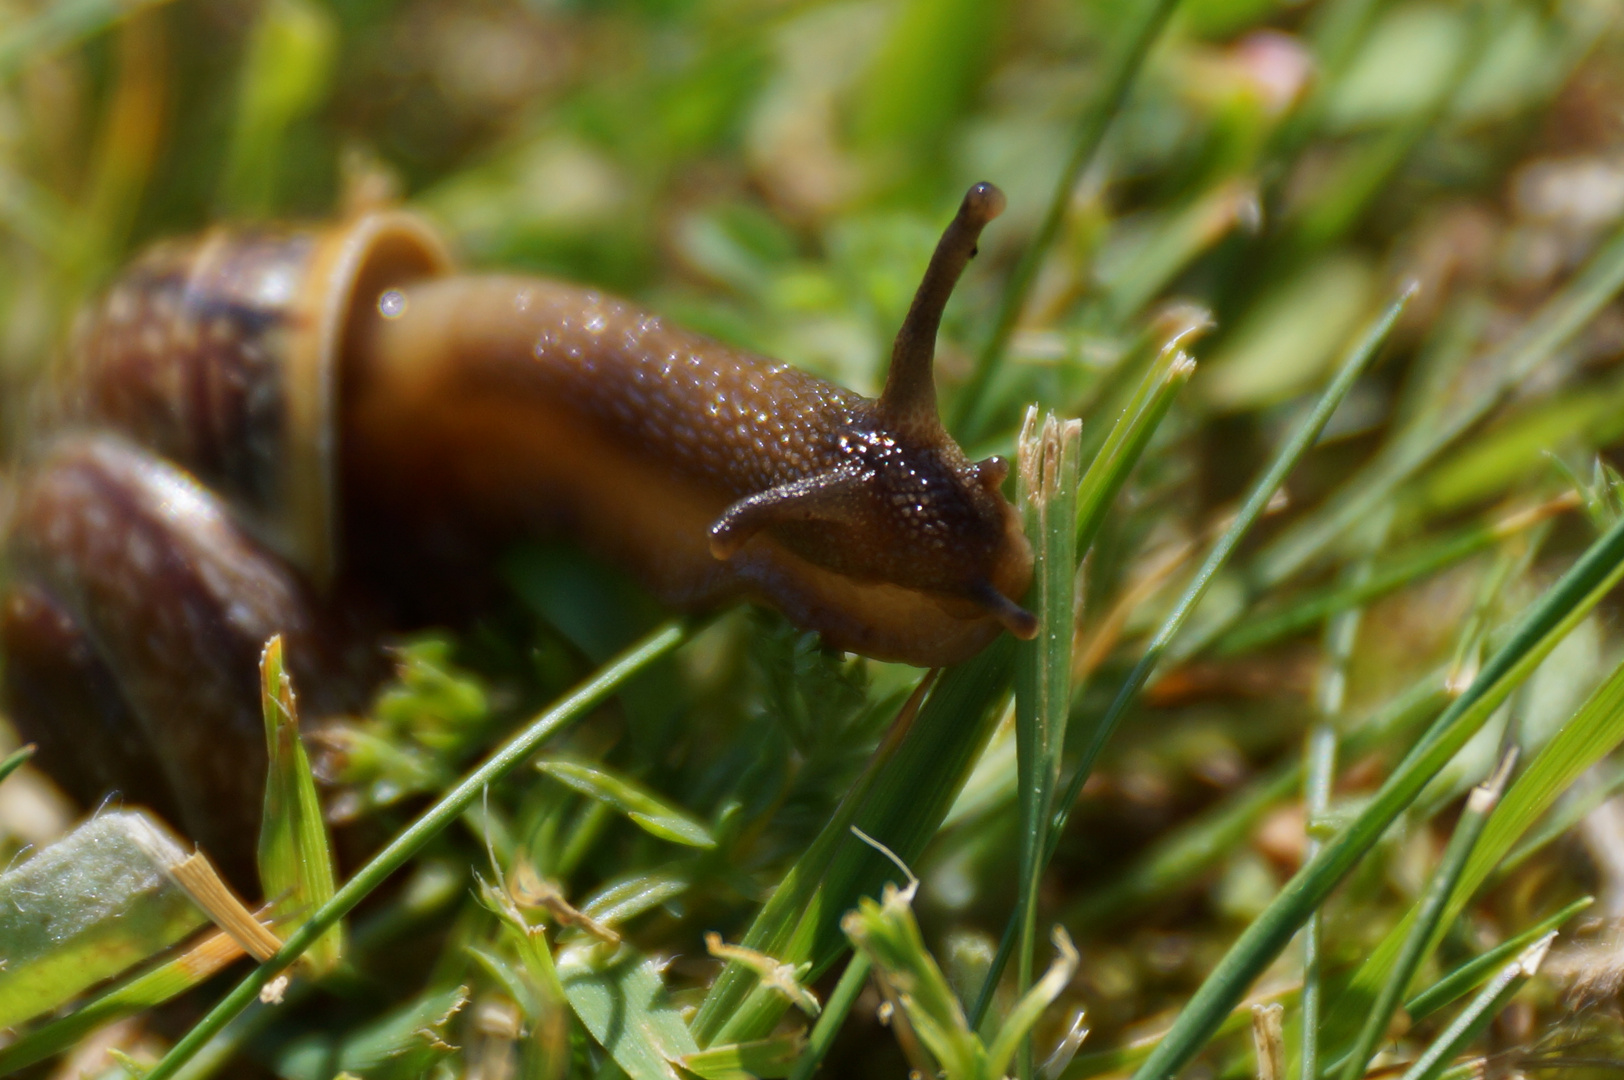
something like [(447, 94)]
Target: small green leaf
[(639, 804), (623, 1004), (295, 858)]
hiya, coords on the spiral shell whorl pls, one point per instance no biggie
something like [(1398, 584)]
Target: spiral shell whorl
[(221, 354)]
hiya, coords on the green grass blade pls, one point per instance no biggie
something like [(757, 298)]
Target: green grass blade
[(1257, 500), (1458, 982), (1358, 358), (1129, 437), (623, 1004), (1548, 621), (87, 907), (295, 857), (1572, 810), (1388, 577), (1174, 861), (1428, 915), (1548, 330), (406, 843), (888, 934), (285, 76), (1047, 491), (641, 806), (1593, 733), (746, 1061), (540, 995), (15, 760), (1319, 775), (1483, 1008), (1017, 1026), (834, 1014), (900, 802), (141, 991), (973, 413)]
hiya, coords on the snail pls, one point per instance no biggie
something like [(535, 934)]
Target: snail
[(260, 428)]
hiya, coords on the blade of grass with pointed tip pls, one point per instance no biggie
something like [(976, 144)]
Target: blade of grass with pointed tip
[(1025, 1013), (637, 803), (1460, 981), (1483, 1008), (15, 760), (406, 843), (295, 857), (1126, 443), (1427, 917), (1537, 633)]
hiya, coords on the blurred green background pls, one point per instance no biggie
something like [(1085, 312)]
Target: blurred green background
[(776, 173)]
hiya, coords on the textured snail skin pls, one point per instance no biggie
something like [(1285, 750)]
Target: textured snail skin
[(253, 422), (531, 400)]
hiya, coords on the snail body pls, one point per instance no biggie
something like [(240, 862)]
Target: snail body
[(253, 415)]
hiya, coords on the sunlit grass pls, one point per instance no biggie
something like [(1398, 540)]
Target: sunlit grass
[(1310, 572)]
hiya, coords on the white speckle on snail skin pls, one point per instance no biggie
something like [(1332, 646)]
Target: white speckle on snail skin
[(392, 304), (521, 301)]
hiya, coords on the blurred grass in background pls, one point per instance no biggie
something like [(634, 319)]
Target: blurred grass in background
[(776, 174)]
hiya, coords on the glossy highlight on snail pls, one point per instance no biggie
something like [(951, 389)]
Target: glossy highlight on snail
[(256, 428)]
